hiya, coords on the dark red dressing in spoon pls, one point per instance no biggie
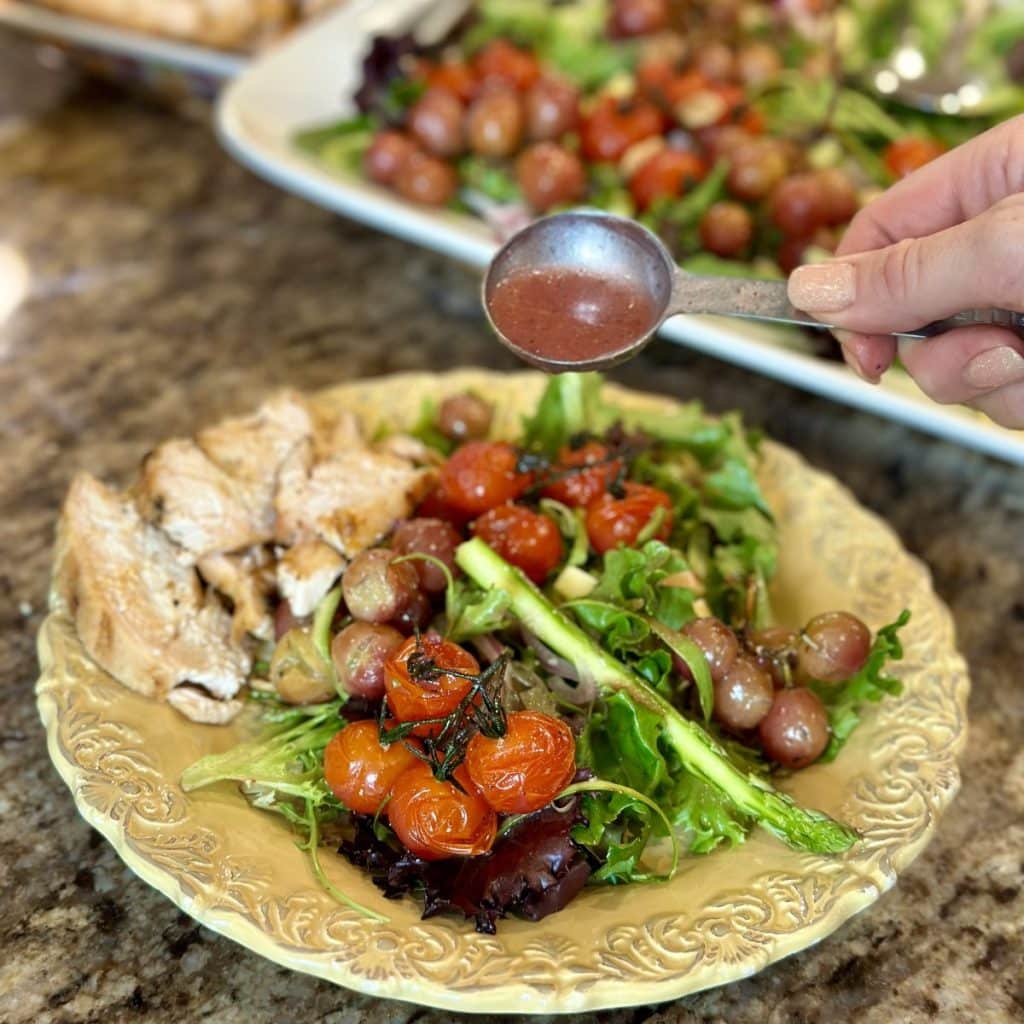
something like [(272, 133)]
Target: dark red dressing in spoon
[(570, 316)]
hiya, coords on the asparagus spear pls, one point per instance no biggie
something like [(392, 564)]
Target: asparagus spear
[(801, 828)]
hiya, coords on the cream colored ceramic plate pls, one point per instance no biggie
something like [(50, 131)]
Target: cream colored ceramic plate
[(724, 917)]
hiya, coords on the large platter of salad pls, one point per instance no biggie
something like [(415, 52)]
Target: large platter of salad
[(746, 143), (520, 694)]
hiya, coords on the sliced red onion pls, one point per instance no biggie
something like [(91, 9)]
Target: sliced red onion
[(583, 693), (549, 660), (488, 646)]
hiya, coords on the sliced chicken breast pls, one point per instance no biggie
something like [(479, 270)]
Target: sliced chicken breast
[(138, 607), (305, 573)]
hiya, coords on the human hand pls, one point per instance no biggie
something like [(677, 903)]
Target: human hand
[(949, 237)]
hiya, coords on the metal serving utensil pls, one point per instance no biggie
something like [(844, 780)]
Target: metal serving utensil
[(615, 248)]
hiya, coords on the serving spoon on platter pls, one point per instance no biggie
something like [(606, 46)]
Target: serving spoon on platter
[(587, 290)]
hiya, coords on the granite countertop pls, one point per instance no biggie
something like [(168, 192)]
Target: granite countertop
[(166, 287)]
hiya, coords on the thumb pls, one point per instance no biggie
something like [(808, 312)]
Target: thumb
[(979, 263)]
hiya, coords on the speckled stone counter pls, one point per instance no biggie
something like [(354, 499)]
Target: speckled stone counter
[(166, 288)]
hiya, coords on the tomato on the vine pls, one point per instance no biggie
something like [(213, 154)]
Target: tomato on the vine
[(527, 539), (410, 698), (526, 768), (613, 521), (582, 474), (435, 819), (360, 771), (669, 172), (480, 476), (906, 155), (613, 126)]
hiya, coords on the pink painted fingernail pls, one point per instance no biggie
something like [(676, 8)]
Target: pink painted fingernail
[(994, 368), (852, 357), (822, 287)]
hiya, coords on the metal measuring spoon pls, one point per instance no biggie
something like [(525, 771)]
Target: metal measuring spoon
[(616, 251)]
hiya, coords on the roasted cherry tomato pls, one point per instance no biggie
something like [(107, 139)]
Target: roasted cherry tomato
[(480, 476), (906, 155), (682, 86), (669, 172), (582, 474), (359, 770), (455, 76), (501, 62), (410, 698), (527, 539), (613, 126), (435, 820), (526, 768), (613, 521)]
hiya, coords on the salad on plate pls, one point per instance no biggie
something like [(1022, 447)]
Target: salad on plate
[(557, 668)]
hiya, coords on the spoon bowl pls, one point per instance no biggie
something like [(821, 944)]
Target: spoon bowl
[(593, 246)]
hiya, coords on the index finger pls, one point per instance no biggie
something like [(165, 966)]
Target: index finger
[(957, 186)]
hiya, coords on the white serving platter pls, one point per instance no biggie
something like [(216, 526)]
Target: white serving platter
[(307, 81), (96, 38)]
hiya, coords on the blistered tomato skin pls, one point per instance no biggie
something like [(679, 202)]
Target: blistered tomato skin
[(411, 699), (670, 172), (436, 820), (359, 770), (612, 522), (480, 476), (526, 768), (906, 155), (526, 539), (582, 474), (612, 127)]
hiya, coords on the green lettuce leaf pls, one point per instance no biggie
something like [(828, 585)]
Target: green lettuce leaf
[(471, 611)]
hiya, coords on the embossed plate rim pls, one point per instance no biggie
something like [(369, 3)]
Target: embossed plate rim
[(668, 954)]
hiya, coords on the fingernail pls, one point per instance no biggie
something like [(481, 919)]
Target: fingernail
[(822, 287), (994, 367), (852, 357)]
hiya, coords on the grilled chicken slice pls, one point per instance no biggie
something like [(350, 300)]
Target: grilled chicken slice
[(138, 607), (252, 448), (199, 706), (216, 494), (305, 573), (349, 500), (198, 505), (247, 579)]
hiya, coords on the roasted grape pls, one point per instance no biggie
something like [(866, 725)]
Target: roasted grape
[(840, 197), (638, 17), (495, 123), (743, 695), (385, 156), (552, 109), (798, 205), (550, 175), (359, 653), (425, 179), (376, 587), (435, 121), (501, 63), (834, 646), (433, 537), (756, 168), (717, 642), (795, 731), (415, 616), (727, 229), (464, 417)]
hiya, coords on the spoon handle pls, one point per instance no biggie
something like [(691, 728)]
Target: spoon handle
[(752, 299)]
